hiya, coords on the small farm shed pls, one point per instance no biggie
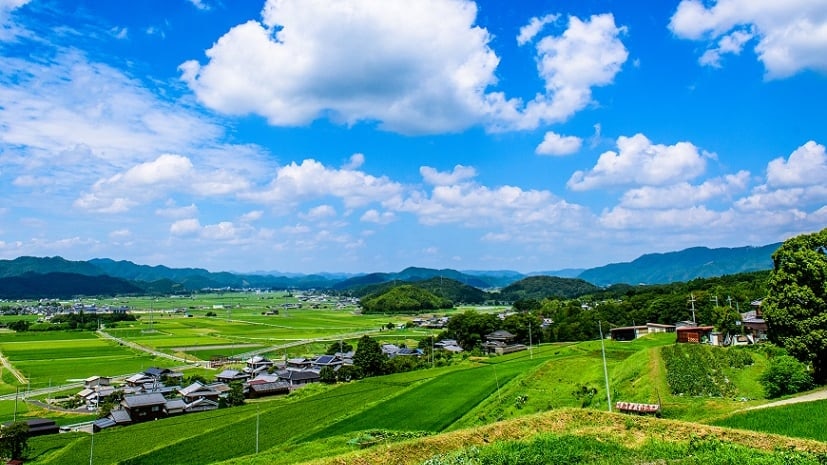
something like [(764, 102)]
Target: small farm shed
[(660, 328), (39, 426), (628, 333), (694, 334)]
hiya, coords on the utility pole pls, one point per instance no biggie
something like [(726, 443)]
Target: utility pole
[(530, 346), (92, 445), (257, 423), (714, 298), (692, 301), (605, 370), (729, 300)]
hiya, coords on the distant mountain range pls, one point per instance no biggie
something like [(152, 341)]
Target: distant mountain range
[(36, 277)]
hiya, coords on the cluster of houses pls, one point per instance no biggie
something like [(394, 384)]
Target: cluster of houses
[(46, 308), (752, 323), (157, 392)]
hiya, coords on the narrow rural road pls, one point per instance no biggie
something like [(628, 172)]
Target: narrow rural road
[(141, 348), (8, 366), (809, 397), (299, 342)]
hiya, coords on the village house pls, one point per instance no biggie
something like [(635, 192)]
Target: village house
[(144, 407), (196, 391), (261, 387), (501, 342), (331, 361), (229, 376), (448, 345), (299, 363), (257, 364), (753, 322), (299, 377)]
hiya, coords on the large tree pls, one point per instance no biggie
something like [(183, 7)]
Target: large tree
[(14, 440), (796, 305), (369, 357)]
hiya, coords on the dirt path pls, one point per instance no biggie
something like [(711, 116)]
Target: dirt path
[(809, 397), (8, 366)]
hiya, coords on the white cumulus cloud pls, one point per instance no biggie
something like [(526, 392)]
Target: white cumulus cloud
[(798, 182), (684, 194), (806, 166), (185, 227), (439, 178), (375, 216), (791, 35), (416, 67), (555, 144), (534, 26), (588, 53), (640, 162), (311, 180)]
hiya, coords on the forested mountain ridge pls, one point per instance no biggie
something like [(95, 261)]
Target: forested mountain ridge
[(659, 268), (685, 265)]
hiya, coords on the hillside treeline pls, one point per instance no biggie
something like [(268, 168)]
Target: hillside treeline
[(717, 302)]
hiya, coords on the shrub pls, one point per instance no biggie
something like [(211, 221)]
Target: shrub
[(785, 375)]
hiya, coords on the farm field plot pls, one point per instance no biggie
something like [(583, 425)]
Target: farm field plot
[(435, 404), (55, 361), (199, 336), (804, 420)]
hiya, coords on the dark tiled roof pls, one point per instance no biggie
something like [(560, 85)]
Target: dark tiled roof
[(120, 416), (142, 400)]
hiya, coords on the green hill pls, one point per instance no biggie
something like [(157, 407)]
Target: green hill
[(445, 288), (541, 287), (405, 298)]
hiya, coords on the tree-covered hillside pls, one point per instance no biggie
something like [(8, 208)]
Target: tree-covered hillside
[(541, 287), (63, 285), (449, 289), (406, 298), (684, 265)]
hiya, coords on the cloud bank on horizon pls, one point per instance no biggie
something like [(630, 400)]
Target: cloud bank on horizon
[(365, 135)]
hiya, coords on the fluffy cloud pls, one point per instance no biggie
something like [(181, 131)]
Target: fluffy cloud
[(588, 53), (555, 144), (669, 221), (791, 35), (731, 43), (374, 216), (122, 191), (310, 179), (799, 182), (473, 205), (185, 227), (806, 166), (684, 194), (426, 69), (439, 178), (319, 213), (530, 30), (639, 161)]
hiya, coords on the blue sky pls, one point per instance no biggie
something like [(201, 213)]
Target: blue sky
[(372, 135)]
